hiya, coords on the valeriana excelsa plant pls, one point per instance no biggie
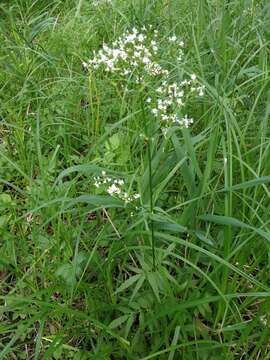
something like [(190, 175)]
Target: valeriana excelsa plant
[(135, 60)]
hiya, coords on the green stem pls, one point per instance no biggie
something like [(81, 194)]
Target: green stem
[(149, 158), (151, 202)]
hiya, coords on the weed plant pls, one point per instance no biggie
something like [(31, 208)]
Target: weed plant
[(134, 179)]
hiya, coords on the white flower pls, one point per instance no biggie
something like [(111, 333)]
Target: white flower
[(201, 90), (146, 60), (193, 77), (154, 45), (113, 189), (172, 38), (180, 93), (161, 107), (130, 38), (201, 93), (164, 117), (185, 121), (179, 102), (110, 64)]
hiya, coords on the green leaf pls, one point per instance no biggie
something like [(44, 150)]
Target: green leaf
[(38, 340), (153, 281), (247, 184), (113, 142), (226, 220), (204, 237), (117, 322), (171, 175), (130, 281), (130, 321), (97, 200), (5, 199), (41, 27), (66, 272), (213, 257), (166, 223), (82, 169), (137, 287), (187, 174), (170, 227), (3, 221), (174, 342)]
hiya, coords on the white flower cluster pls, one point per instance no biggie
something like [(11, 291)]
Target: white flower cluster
[(132, 53), (174, 40), (171, 98), (114, 187)]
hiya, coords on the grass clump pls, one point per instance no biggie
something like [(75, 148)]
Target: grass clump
[(134, 187)]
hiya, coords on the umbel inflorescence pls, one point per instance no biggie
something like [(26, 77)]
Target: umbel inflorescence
[(132, 53), (115, 188), (170, 98), (135, 57)]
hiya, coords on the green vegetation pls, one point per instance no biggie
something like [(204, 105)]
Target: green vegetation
[(122, 237)]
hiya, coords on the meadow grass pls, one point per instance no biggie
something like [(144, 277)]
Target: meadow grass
[(182, 272)]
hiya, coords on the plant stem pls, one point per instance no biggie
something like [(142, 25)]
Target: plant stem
[(149, 158), (151, 202)]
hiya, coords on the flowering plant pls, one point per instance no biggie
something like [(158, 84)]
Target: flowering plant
[(134, 60), (134, 56)]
